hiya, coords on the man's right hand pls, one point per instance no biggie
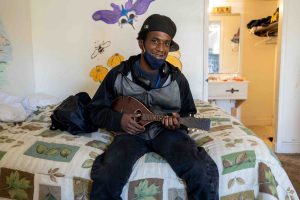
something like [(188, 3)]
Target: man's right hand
[(130, 126)]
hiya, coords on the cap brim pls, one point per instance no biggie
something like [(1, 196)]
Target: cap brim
[(174, 46)]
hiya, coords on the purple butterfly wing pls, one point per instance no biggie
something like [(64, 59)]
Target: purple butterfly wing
[(108, 16), (141, 6), (128, 5)]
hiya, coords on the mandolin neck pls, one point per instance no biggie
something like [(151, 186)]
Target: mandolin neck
[(152, 117)]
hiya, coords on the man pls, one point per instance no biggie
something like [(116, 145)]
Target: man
[(164, 90)]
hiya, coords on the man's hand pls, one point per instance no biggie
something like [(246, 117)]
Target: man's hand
[(130, 126), (171, 122)]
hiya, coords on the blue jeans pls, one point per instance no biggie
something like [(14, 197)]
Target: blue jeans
[(111, 170)]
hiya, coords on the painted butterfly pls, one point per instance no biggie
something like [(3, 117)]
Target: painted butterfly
[(123, 14)]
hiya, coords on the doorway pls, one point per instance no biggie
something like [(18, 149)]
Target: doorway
[(258, 63)]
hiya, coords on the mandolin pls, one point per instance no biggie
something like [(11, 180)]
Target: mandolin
[(143, 116)]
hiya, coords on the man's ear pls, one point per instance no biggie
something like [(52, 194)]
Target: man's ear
[(141, 45)]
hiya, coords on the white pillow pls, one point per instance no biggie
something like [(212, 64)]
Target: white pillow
[(13, 112), (6, 98), (33, 101)]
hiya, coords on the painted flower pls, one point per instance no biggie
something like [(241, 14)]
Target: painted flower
[(98, 73), (174, 61), (115, 60)]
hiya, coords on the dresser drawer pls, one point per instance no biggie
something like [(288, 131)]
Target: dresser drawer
[(227, 90)]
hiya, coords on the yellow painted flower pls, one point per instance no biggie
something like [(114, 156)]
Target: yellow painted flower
[(174, 61), (98, 73), (176, 54), (115, 60)]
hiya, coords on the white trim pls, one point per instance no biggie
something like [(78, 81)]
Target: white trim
[(205, 51), (280, 126), (287, 147)]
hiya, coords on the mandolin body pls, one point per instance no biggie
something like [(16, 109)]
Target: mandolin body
[(130, 105)]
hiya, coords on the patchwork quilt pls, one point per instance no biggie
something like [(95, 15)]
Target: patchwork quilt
[(38, 163)]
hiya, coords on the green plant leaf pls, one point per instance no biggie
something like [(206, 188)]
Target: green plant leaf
[(87, 163), (49, 196), (22, 184), (229, 145), (93, 154), (145, 192), (226, 139), (65, 152), (52, 151), (238, 140), (18, 194), (241, 158), (230, 183), (227, 163), (41, 149), (240, 181)]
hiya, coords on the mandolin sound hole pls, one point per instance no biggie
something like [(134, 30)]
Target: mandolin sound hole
[(137, 115)]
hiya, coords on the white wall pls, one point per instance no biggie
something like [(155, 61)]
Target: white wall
[(15, 17), (64, 35), (288, 135)]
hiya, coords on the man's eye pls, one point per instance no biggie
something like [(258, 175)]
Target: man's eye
[(168, 43), (155, 41)]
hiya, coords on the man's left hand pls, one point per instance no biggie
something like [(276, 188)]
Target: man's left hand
[(171, 122)]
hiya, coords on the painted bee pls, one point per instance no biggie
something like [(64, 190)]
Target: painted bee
[(99, 48)]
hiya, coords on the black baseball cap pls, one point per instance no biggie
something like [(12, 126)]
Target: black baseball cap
[(157, 22)]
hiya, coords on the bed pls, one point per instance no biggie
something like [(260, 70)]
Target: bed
[(37, 163)]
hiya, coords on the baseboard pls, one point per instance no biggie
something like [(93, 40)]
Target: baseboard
[(257, 122), (287, 147)]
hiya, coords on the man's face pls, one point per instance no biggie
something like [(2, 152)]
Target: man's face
[(158, 44)]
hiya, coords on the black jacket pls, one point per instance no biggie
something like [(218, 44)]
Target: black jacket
[(100, 110)]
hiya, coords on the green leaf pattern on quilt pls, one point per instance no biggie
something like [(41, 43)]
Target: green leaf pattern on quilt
[(6, 139), (49, 133), (32, 127), (238, 180), (82, 188), (16, 186), (266, 180), (52, 151), (272, 183), (49, 196), (246, 195), (290, 194), (144, 191), (238, 161), (154, 158), (89, 162), (53, 173), (2, 153), (97, 144), (232, 143), (204, 140)]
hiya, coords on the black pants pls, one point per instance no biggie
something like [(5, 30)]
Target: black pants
[(111, 170)]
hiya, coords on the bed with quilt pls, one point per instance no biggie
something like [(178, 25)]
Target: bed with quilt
[(38, 163)]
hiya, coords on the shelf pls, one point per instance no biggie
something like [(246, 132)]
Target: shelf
[(268, 31)]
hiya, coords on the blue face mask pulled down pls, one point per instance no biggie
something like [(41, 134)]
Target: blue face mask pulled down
[(152, 61)]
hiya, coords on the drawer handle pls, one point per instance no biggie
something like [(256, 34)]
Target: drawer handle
[(232, 90)]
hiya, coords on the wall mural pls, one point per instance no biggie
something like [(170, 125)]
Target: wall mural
[(174, 59), (99, 72), (5, 53), (123, 14), (99, 48)]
